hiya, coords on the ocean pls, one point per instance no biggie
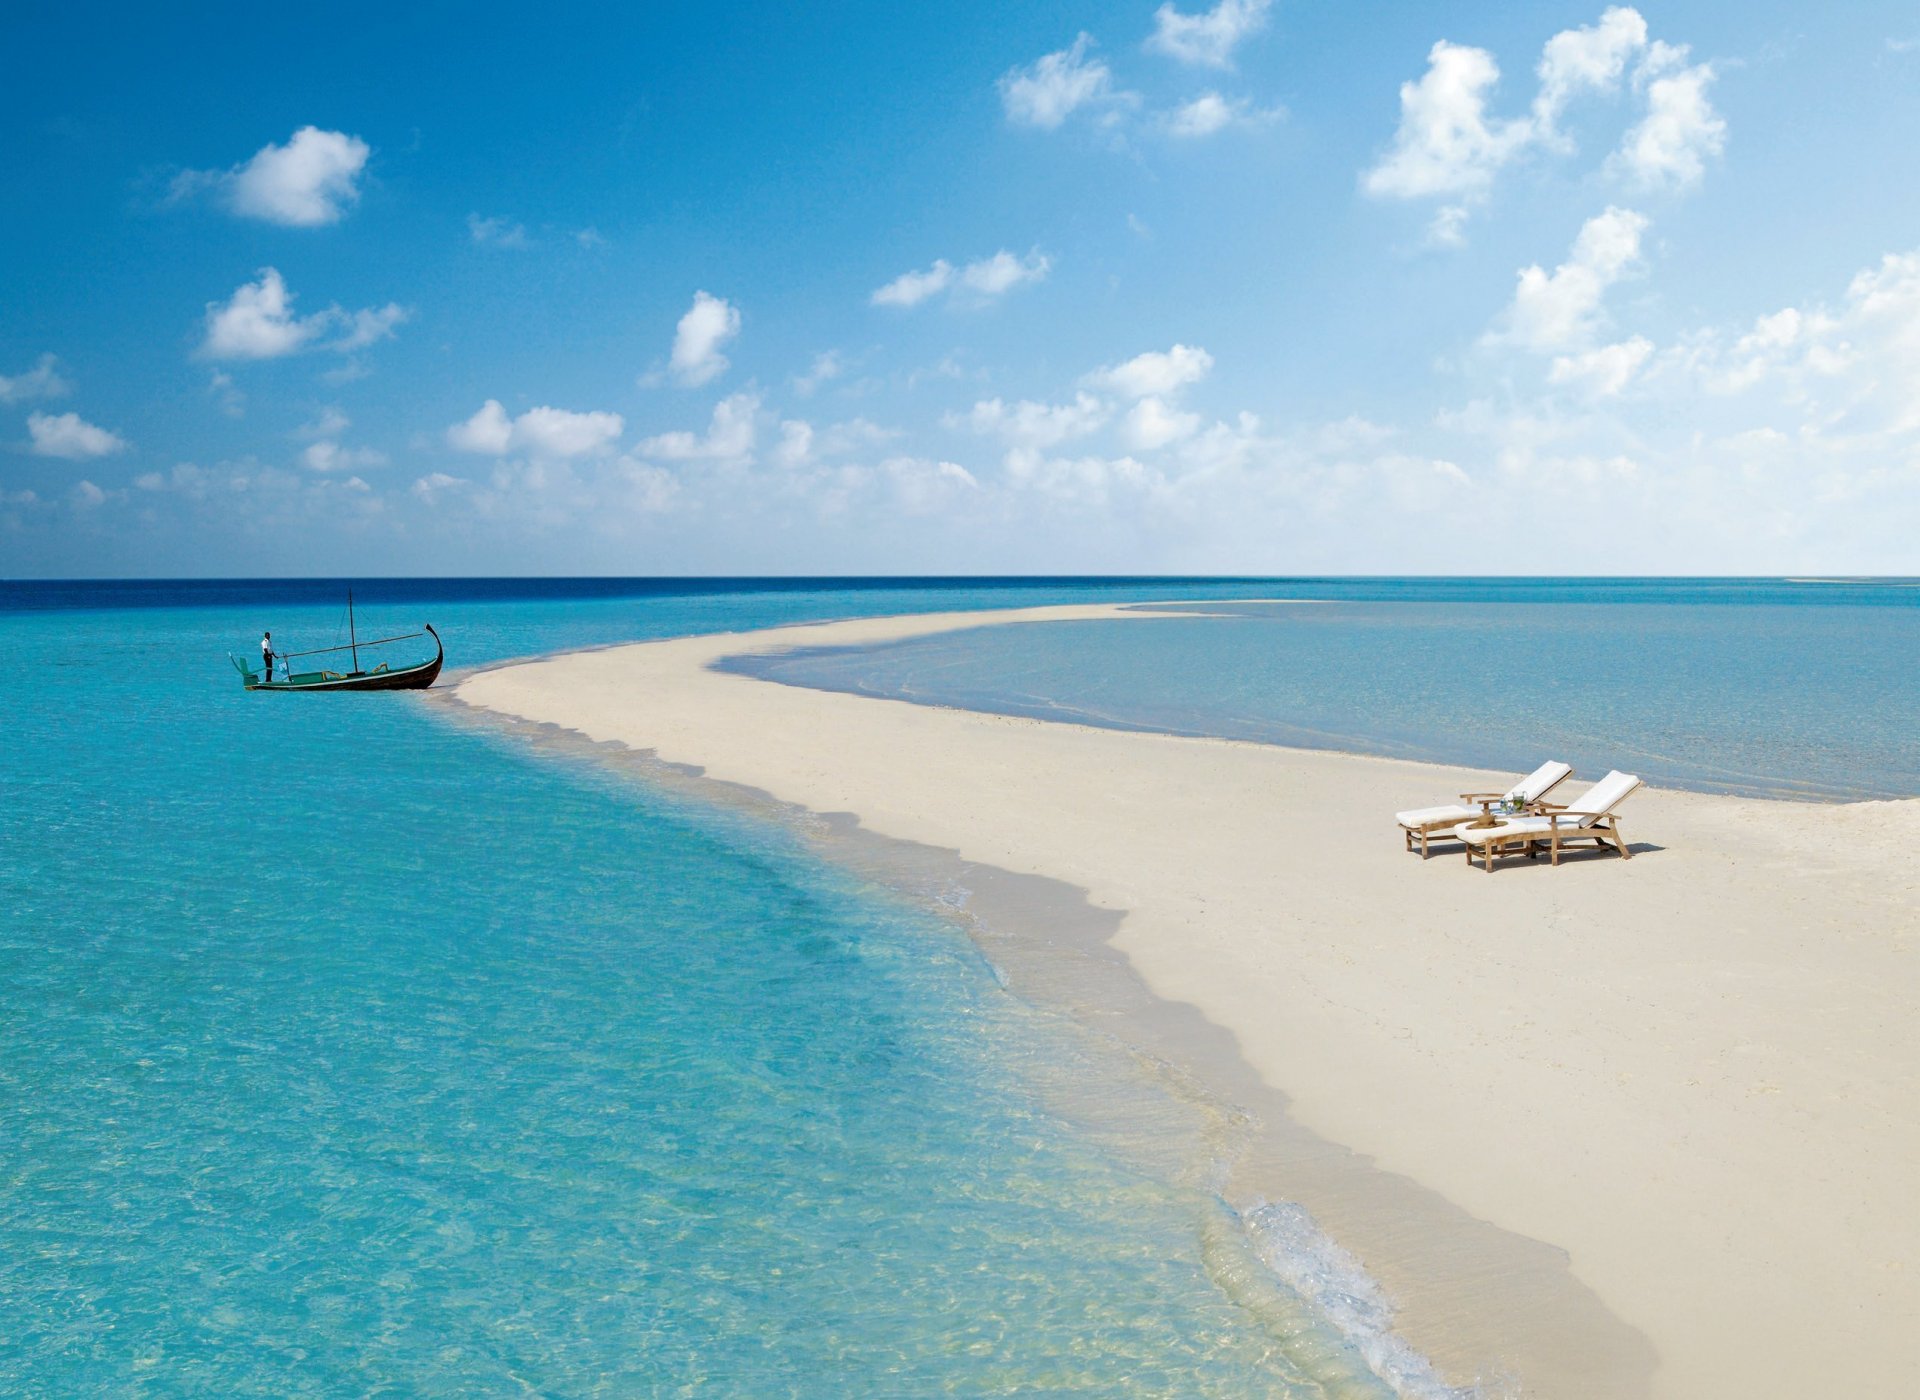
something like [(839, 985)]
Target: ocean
[(1773, 688), (347, 1046)]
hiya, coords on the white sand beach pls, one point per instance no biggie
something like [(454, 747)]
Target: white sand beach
[(1697, 1072)]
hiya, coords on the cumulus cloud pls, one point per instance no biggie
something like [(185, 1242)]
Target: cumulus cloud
[(708, 325), (329, 456), (1605, 371), (1051, 88), (312, 180), (1030, 424), (1559, 309), (1592, 59), (1448, 145), (258, 323), (43, 381), (1156, 372), (912, 288), (981, 280), (368, 326), (69, 436), (729, 437), (1001, 273), (1210, 113), (1681, 131), (1152, 423), (539, 432), (1210, 37), (922, 486)]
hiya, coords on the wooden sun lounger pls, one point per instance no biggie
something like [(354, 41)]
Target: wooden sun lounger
[(1590, 817), (1428, 822)]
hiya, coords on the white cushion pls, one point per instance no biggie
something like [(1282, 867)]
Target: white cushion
[(1603, 796), (1428, 816), (1540, 781)]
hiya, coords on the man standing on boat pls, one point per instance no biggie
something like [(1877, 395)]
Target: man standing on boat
[(266, 652)]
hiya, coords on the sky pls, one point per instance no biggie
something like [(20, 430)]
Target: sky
[(1266, 286)]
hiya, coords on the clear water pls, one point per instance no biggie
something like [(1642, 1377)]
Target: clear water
[(345, 1049), (1760, 686)]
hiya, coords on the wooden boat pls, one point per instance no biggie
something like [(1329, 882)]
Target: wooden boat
[(381, 677)]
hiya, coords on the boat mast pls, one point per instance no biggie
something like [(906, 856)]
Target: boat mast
[(353, 639)]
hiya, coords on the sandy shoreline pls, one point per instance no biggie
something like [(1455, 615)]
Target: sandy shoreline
[(1695, 1073)]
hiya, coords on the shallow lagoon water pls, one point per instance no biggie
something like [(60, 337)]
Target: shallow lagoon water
[(345, 1049), (1764, 687)]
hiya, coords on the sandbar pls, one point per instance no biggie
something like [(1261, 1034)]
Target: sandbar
[(1691, 1078)]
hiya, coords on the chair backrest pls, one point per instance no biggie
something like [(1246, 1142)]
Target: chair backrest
[(1540, 782), (1603, 796)]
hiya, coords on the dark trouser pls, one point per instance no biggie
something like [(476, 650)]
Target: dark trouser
[(268, 658)]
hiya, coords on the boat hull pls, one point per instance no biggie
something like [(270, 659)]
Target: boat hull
[(407, 678)]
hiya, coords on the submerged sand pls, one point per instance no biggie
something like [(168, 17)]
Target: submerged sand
[(1607, 1129)]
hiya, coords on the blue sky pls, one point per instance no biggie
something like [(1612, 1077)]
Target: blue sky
[(1259, 287)]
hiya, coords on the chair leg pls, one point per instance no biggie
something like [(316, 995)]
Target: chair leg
[(1613, 830)]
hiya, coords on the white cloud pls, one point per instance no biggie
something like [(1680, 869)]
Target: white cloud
[(796, 444), (709, 324), (330, 422), (1155, 372), (1681, 131), (257, 323), (70, 436), (328, 456), (433, 485), (827, 365), (1050, 89), (980, 280), (1001, 273), (367, 326), (1603, 372), (312, 180), (1446, 145), (488, 431), (43, 381), (1081, 481), (1558, 309), (729, 437), (1210, 37), (1449, 226), (922, 486), (1449, 146), (1210, 113), (1152, 424), (1030, 424), (499, 232), (912, 288), (543, 433), (1585, 60)]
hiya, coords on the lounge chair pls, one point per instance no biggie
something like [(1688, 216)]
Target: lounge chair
[(1424, 822), (1589, 817)]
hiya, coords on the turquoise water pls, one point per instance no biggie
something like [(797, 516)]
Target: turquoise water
[(347, 1049), (1768, 687)]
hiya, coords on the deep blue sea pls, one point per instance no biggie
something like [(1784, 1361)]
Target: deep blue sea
[(346, 1048)]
